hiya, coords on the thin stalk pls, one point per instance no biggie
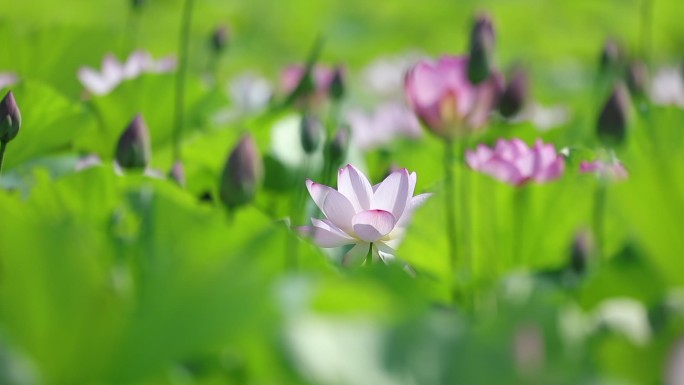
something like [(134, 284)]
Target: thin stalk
[(646, 29), (599, 217), (3, 147), (369, 256), (519, 223), (450, 202), (464, 190), (184, 42)]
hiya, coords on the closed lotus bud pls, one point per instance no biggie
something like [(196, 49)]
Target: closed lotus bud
[(581, 252), (515, 94), (337, 84), (177, 173), (614, 118), (611, 57), (133, 148), (219, 39), (10, 118), (242, 174), (481, 49), (311, 133), (637, 78), (337, 148)]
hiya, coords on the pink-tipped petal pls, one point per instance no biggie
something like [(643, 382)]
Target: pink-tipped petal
[(324, 237), (356, 187), (553, 171), (372, 225), (339, 210), (392, 194), (356, 255), (503, 171), (414, 203), (588, 167), (318, 192)]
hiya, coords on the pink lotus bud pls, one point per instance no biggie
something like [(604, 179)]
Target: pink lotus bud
[(133, 148), (177, 173), (581, 251), (637, 78), (337, 147), (337, 87), (311, 133), (10, 118), (242, 174), (482, 42), (219, 39), (516, 163), (612, 57), (315, 85), (614, 118)]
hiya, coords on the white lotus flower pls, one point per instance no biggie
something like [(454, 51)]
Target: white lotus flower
[(372, 218), (114, 72)]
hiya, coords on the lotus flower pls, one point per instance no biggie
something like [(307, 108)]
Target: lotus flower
[(114, 72), (612, 170), (322, 77), (445, 100), (514, 162), (372, 218), (387, 122)]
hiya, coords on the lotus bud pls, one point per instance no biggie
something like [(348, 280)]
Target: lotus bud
[(337, 84), (611, 57), (10, 118), (219, 39), (482, 42), (177, 173), (137, 4), (614, 118), (581, 252), (242, 174), (133, 148), (337, 147), (311, 133), (515, 94), (637, 78)]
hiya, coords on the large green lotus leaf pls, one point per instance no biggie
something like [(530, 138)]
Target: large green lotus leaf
[(50, 123)]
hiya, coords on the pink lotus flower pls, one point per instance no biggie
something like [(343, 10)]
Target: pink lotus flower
[(612, 170), (387, 122), (514, 162), (372, 218), (445, 100), (114, 72), (322, 79)]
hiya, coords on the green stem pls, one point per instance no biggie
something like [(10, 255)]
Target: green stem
[(464, 190), (3, 147), (519, 214), (599, 217), (646, 29), (450, 201), (184, 42), (369, 256)]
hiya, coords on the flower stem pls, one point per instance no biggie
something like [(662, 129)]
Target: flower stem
[(369, 256), (450, 201), (599, 217), (464, 190), (3, 147), (183, 44), (646, 29), (519, 214)]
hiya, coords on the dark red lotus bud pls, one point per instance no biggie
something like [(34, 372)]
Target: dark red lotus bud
[(481, 52), (133, 149), (614, 118), (311, 133), (219, 39), (515, 95), (10, 118), (637, 78), (337, 147), (337, 87), (177, 173), (611, 57), (242, 174)]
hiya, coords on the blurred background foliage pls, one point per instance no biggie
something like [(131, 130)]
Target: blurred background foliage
[(109, 279)]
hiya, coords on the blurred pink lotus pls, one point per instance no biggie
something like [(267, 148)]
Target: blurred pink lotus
[(322, 77), (516, 163), (389, 121), (445, 100), (612, 170), (114, 72), (372, 218)]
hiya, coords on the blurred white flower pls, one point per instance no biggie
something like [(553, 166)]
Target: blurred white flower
[(624, 315), (250, 92), (385, 76), (389, 121), (667, 87), (7, 79), (114, 72)]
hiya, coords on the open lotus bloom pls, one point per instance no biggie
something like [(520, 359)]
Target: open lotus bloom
[(322, 77), (444, 99), (389, 121), (372, 218), (611, 170), (516, 163), (114, 72)]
